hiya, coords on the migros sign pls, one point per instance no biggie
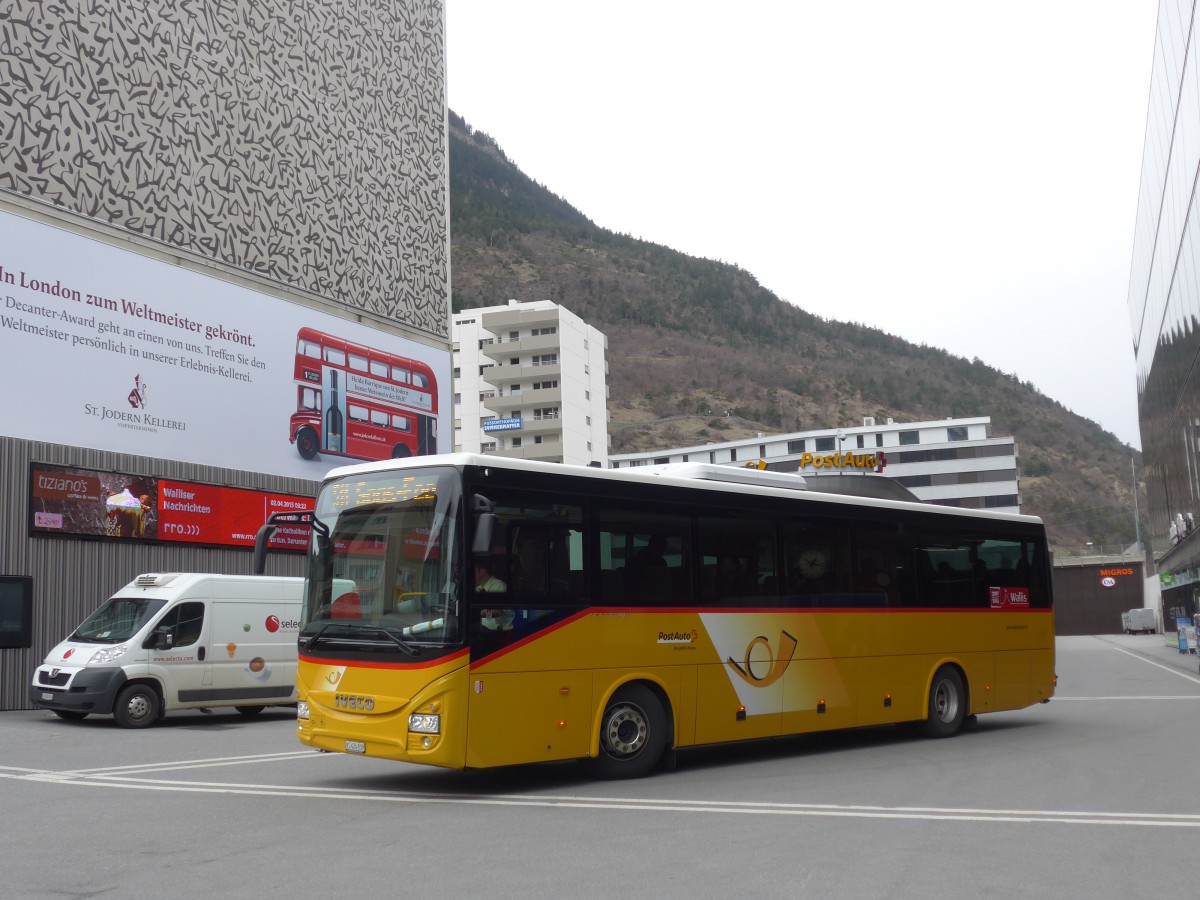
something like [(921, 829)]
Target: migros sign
[(874, 461)]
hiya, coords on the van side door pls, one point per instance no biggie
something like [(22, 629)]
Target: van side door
[(183, 666)]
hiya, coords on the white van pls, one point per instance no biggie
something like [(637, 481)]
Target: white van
[(178, 641)]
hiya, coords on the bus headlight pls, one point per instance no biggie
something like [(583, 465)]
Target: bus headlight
[(302, 709), (424, 723)]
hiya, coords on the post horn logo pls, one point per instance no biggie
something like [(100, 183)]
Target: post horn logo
[(777, 663)]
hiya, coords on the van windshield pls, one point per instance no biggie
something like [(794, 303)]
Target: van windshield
[(117, 620)]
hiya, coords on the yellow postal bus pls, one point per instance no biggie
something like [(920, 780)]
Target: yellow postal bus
[(472, 611)]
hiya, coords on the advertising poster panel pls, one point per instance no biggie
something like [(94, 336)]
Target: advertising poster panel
[(72, 502), (110, 349)]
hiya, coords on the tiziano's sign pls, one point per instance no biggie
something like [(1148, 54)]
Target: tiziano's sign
[(875, 461)]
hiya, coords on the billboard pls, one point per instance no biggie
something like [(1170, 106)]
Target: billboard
[(110, 349), (69, 501)]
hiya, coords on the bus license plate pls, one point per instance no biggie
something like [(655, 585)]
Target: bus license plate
[(356, 746)]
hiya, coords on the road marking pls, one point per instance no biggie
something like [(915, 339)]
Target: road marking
[(1192, 678), (1058, 697), (100, 779)]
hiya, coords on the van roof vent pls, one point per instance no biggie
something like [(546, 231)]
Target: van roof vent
[(153, 579)]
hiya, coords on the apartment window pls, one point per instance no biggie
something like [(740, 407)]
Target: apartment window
[(457, 372), (796, 446), (545, 385), (587, 395), (956, 433), (467, 322), (587, 420), (661, 460), (879, 440), (550, 329), (485, 341), (482, 369), (514, 360), (537, 438), (516, 443), (549, 412), (910, 437), (861, 441), (514, 335), (514, 389), (733, 454), (546, 359), (824, 443), (589, 443), (762, 451), (457, 399), (488, 447)]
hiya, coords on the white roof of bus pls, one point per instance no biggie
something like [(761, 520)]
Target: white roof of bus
[(740, 481)]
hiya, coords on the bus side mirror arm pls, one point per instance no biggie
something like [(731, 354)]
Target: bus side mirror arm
[(485, 523)]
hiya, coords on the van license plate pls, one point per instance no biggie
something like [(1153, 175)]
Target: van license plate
[(356, 747), (46, 696)]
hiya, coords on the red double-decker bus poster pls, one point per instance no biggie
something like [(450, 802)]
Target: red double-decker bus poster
[(208, 514)]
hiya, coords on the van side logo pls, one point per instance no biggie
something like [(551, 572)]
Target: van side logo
[(776, 663)]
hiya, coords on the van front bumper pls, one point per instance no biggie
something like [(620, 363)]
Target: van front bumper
[(86, 690)]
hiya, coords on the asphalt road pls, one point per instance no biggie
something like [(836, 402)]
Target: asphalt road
[(1095, 794)]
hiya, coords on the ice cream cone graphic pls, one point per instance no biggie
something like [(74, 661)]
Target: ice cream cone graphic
[(231, 648)]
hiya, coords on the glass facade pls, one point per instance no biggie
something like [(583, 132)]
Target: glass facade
[(1164, 302)]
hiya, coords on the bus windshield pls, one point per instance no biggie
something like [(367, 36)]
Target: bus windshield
[(382, 567), (117, 620)]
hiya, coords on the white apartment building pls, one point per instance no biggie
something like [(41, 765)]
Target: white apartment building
[(530, 381), (952, 462)]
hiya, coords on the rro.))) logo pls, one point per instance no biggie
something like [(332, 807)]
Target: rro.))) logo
[(776, 664)]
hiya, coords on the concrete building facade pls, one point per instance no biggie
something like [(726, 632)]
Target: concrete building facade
[(951, 462), (530, 382), (185, 189)]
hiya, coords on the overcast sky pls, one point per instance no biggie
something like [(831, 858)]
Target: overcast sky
[(961, 174)]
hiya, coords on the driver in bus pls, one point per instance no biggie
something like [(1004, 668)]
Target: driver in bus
[(486, 582)]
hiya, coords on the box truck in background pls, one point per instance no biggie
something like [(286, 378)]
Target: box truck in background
[(1138, 621), (177, 640)]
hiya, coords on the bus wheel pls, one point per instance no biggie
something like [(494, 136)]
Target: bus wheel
[(307, 443), (947, 704), (633, 734), (401, 451), (71, 715), (137, 706)]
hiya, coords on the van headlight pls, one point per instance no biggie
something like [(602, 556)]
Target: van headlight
[(302, 709), (424, 723), (107, 655)]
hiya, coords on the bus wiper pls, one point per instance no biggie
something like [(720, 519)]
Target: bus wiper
[(401, 643), (356, 638)]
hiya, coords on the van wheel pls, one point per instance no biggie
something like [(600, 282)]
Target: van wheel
[(249, 711), (947, 704), (633, 734), (71, 715), (137, 706)]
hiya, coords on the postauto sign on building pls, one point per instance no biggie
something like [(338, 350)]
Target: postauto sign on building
[(501, 425)]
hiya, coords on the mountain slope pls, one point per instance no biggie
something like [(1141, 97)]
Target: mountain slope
[(690, 339)]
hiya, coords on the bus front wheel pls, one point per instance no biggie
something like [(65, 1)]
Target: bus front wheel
[(633, 734), (307, 443), (947, 704), (401, 451)]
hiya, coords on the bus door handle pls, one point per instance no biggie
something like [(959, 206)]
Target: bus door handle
[(200, 653)]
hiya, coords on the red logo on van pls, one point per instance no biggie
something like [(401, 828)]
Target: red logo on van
[(272, 624), (67, 655)]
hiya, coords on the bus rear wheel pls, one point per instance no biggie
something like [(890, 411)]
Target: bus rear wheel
[(947, 704), (307, 443), (401, 451), (633, 734)]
